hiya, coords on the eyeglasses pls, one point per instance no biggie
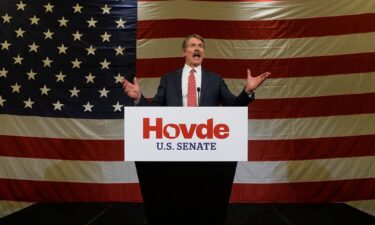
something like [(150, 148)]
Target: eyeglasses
[(201, 46)]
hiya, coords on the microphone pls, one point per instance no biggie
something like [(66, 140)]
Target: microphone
[(199, 94)]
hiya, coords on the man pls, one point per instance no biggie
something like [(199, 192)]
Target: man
[(189, 193), (210, 90)]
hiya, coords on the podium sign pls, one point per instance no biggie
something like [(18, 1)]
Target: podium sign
[(186, 133)]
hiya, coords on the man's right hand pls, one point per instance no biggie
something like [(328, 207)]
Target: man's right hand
[(132, 90)]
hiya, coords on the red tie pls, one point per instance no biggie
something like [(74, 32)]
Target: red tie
[(192, 90)]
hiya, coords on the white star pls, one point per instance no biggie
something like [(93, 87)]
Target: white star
[(117, 107), (31, 75), (5, 45), (105, 64), (90, 78), (49, 7), (6, 18), (62, 49), (19, 32), (91, 50), (3, 72), (106, 9), (76, 63), (88, 107), (60, 77), (119, 78), (91, 22), (48, 34), (44, 90), (28, 103), (2, 100), (34, 20), (77, 8), (47, 62), (21, 6), (103, 92), (33, 47), (77, 36), (57, 105), (119, 50), (63, 22), (18, 59), (16, 88), (74, 92), (105, 37), (120, 23)]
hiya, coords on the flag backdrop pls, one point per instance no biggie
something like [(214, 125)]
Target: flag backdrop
[(311, 129)]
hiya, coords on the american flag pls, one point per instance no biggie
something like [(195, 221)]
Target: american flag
[(311, 129)]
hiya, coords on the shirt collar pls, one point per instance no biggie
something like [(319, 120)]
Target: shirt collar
[(188, 68)]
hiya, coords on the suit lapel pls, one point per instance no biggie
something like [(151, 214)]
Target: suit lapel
[(203, 87), (178, 86)]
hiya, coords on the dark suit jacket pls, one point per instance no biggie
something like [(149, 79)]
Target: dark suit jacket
[(214, 92)]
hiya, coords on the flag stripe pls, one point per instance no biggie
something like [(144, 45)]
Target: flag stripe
[(66, 128), (305, 170), (253, 172), (314, 127), (263, 29), (299, 87), (9, 207), (67, 170), (259, 129), (57, 148), (312, 107), (323, 191), (280, 68), (258, 150), (313, 148), (245, 11), (282, 192), (367, 206), (264, 49), (47, 191)]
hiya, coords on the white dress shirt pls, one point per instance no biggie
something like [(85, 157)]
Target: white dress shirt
[(198, 79)]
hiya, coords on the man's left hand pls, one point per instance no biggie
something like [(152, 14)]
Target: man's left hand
[(254, 82)]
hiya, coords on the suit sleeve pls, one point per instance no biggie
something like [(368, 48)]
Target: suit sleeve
[(228, 99), (159, 98)]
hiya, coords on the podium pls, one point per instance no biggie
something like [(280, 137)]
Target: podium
[(186, 160)]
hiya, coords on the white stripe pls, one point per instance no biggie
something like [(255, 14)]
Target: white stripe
[(291, 9), (305, 170), (274, 88), (67, 170), (263, 49), (9, 207), (247, 172), (367, 206), (315, 127), (259, 129), (31, 126)]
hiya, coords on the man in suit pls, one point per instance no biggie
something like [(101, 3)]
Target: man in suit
[(211, 88), (189, 193)]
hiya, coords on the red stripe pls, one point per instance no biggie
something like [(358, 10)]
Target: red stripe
[(313, 192), (323, 191), (312, 106), (54, 148), (291, 67), (46, 191), (255, 30), (259, 150), (313, 148)]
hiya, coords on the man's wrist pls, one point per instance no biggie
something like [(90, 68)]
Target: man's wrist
[(249, 93)]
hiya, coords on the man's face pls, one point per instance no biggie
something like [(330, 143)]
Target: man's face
[(194, 52)]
